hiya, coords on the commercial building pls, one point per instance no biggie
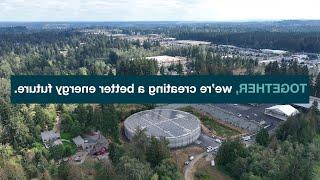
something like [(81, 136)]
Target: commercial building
[(281, 112), (167, 61)]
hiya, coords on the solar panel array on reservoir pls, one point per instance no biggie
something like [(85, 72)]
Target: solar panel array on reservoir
[(163, 123)]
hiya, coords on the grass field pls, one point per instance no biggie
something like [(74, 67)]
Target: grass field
[(218, 128)]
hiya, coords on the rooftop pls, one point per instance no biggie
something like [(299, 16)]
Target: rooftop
[(308, 105), (49, 135), (288, 110)]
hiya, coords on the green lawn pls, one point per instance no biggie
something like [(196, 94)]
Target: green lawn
[(66, 136), (220, 129)]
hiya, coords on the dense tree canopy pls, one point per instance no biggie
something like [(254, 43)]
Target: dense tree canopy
[(290, 154), (262, 137), (23, 51), (292, 41)]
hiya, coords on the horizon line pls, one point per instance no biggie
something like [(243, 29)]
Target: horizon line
[(133, 21)]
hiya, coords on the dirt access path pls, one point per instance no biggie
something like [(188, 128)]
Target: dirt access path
[(57, 125), (191, 168)]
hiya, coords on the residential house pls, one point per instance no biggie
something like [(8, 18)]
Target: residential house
[(94, 143), (50, 138)]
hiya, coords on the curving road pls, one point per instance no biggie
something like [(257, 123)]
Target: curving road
[(188, 172)]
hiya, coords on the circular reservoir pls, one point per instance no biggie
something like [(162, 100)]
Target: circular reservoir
[(178, 127)]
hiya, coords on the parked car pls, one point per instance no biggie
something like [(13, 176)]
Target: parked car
[(218, 141), (216, 148), (209, 149), (246, 138), (191, 158), (213, 163), (77, 159), (262, 123), (187, 163), (267, 126)]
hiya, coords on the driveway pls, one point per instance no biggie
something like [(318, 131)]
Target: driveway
[(207, 141)]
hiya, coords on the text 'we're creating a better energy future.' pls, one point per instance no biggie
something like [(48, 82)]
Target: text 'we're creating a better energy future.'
[(120, 89), (155, 89)]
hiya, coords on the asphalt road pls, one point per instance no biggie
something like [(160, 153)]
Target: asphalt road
[(207, 141)]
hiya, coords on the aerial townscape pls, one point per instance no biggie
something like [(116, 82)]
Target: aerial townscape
[(160, 141)]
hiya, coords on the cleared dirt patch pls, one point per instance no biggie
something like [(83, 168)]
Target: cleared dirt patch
[(204, 171), (182, 155)]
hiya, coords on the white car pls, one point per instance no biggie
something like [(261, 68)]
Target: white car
[(191, 158), (77, 159), (246, 138), (267, 126), (218, 141), (209, 149), (262, 123), (213, 163)]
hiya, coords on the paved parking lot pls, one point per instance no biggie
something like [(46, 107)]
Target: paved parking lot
[(252, 113), (228, 117), (244, 116)]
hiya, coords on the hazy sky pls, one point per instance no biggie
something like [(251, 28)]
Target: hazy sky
[(156, 10)]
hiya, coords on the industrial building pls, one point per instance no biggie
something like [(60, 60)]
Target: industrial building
[(167, 61), (178, 127), (281, 112)]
